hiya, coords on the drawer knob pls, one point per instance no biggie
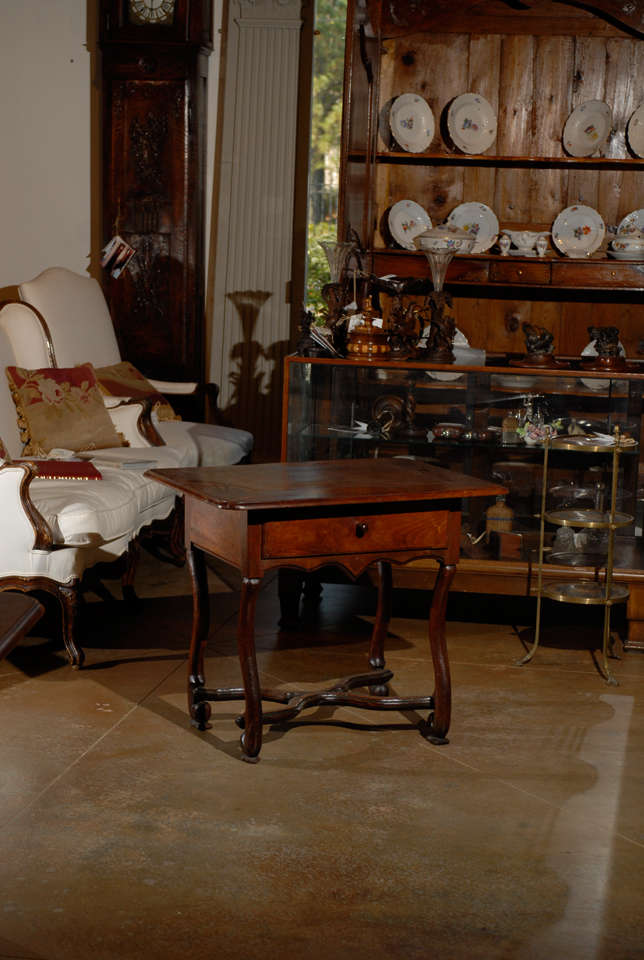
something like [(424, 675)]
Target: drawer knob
[(361, 528)]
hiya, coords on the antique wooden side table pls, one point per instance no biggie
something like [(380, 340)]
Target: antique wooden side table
[(351, 513)]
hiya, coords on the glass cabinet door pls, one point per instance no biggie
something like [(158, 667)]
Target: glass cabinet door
[(486, 421)]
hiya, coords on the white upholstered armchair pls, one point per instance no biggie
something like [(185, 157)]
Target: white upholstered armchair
[(77, 328), (54, 532)]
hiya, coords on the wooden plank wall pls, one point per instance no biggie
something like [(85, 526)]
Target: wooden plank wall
[(533, 83)]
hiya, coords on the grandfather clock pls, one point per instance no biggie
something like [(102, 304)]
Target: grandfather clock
[(154, 86)]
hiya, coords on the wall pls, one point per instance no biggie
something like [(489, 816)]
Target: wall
[(49, 130), (45, 125)]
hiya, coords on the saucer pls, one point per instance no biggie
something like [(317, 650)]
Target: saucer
[(587, 128), (626, 255)]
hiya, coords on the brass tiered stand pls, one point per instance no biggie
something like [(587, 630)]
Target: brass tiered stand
[(600, 591)]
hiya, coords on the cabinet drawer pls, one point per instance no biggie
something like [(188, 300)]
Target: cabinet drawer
[(462, 270), (329, 536), (510, 271), (598, 274)]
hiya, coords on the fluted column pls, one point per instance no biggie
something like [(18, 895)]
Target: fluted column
[(249, 315)]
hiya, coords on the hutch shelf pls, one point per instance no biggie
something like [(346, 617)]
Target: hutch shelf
[(534, 63)]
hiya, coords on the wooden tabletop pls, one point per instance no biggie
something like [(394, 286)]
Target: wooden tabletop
[(274, 485)]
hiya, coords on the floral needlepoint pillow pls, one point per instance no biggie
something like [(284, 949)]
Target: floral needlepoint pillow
[(61, 407), (124, 380), (4, 453)]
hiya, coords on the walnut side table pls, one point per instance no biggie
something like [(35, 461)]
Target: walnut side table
[(351, 513)]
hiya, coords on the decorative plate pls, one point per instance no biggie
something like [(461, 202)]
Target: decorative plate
[(406, 220), (590, 350), (635, 131), (632, 224), (412, 122), (471, 122), (578, 231), (478, 220), (587, 128)]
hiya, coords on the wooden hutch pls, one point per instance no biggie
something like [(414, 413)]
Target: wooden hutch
[(534, 62)]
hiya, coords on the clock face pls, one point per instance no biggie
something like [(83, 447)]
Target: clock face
[(151, 11)]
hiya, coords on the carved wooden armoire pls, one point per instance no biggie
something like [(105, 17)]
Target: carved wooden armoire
[(154, 86)]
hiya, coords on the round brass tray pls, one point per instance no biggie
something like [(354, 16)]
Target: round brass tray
[(585, 591), (572, 517), (568, 558), (584, 444)]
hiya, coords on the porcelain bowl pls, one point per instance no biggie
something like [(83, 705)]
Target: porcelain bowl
[(628, 244), (443, 239)]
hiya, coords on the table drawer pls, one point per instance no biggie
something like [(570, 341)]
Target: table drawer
[(368, 533)]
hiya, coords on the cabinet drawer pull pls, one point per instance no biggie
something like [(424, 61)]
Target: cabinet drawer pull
[(361, 528), (520, 273)]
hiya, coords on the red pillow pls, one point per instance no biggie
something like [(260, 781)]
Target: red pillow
[(61, 407)]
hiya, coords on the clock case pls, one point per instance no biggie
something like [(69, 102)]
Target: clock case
[(154, 100), (192, 23)]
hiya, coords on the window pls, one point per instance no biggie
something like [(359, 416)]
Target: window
[(324, 154)]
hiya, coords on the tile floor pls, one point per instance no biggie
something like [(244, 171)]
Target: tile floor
[(127, 834)]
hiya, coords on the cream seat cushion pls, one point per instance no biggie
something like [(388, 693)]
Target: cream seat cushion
[(212, 445), (86, 512)]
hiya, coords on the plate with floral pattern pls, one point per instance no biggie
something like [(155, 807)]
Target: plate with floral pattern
[(635, 131), (407, 219), (587, 128), (478, 220), (412, 122), (471, 122), (632, 225), (578, 231)]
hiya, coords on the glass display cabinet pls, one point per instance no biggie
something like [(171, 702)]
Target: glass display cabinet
[(487, 421)]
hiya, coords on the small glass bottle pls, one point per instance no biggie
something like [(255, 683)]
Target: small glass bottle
[(509, 427), (499, 517)]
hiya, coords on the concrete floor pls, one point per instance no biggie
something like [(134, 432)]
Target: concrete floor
[(128, 834)]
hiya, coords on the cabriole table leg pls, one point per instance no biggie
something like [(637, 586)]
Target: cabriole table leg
[(199, 710), (251, 738), (438, 723)]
